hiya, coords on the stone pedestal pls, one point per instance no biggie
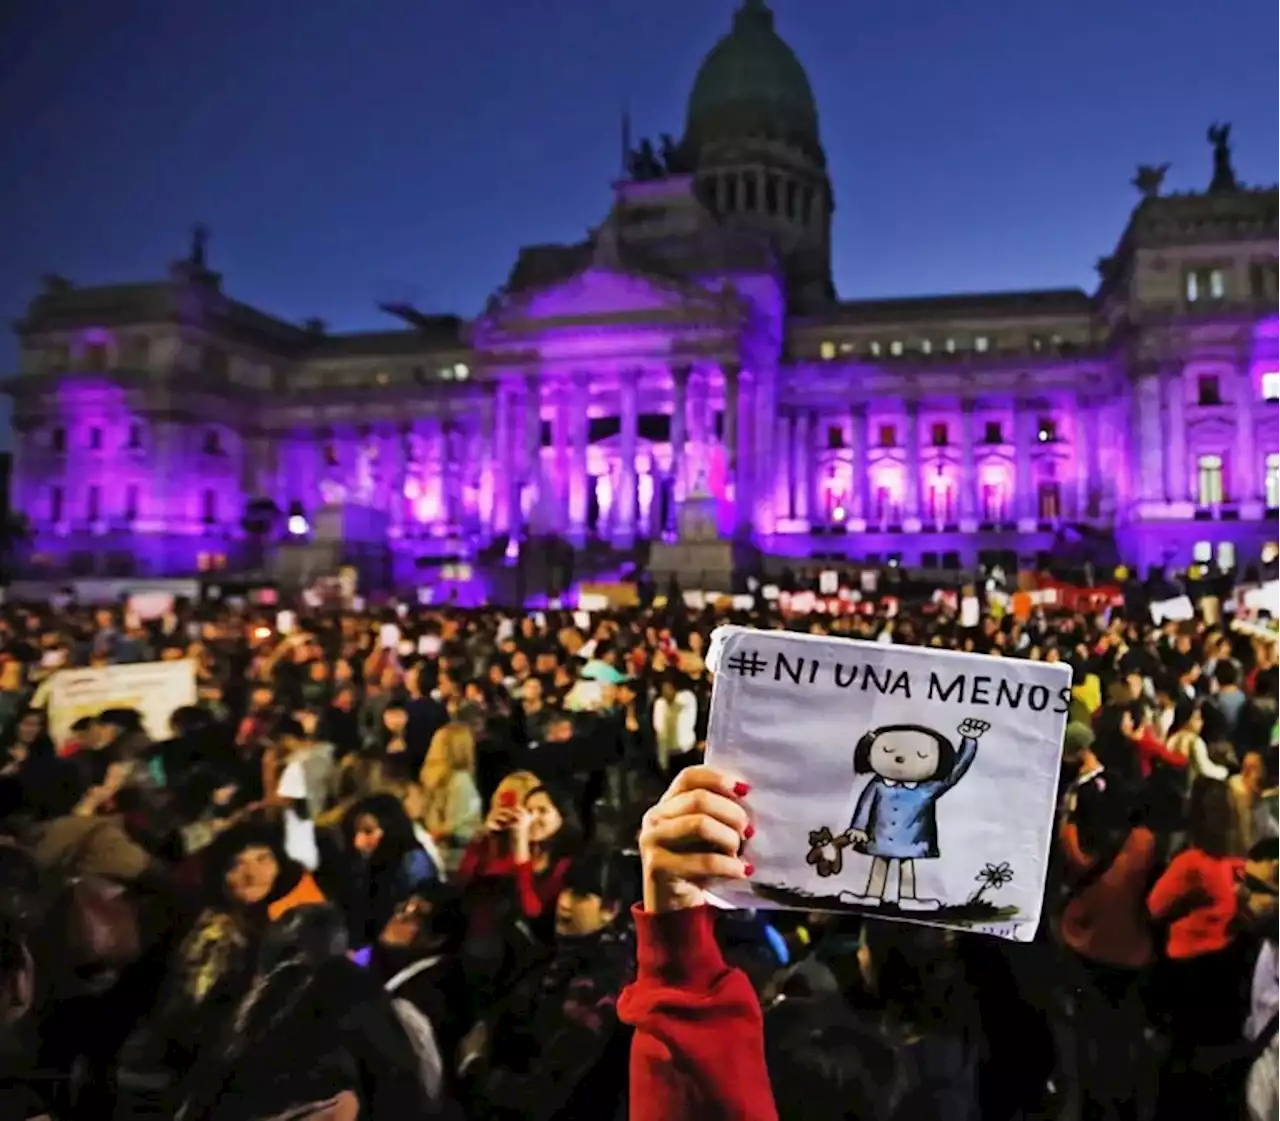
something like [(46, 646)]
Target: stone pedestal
[(699, 559)]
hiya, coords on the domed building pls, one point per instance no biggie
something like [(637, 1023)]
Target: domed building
[(683, 389), (751, 138)]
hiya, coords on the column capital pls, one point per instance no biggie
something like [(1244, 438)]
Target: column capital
[(680, 373), (730, 371)]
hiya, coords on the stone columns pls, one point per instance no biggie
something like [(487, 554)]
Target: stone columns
[(1086, 443), (782, 466), (578, 423), (860, 496), (679, 432), (527, 473), (911, 505), (450, 451), (730, 427), (1024, 504), (801, 459), (624, 500), (500, 460), (763, 453), (391, 451), (700, 429), (968, 467), (1173, 417), (1243, 478), (747, 467), (167, 481), (1147, 439)]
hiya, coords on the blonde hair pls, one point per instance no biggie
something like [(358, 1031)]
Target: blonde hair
[(452, 749), (521, 783)]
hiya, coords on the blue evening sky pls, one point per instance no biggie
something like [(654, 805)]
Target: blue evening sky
[(348, 151)]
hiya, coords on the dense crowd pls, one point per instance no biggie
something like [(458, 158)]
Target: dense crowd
[(420, 863)]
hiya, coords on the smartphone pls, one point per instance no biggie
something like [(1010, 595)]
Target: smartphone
[(508, 800)]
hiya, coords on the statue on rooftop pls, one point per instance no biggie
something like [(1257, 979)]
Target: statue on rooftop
[(643, 163), (673, 161), (199, 245), (1149, 179), (1224, 175)]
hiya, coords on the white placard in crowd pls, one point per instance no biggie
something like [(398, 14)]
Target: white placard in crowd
[(286, 621), (1176, 610), (970, 611), (155, 689), (150, 605), (828, 582), (905, 782), (388, 636), (1266, 598)]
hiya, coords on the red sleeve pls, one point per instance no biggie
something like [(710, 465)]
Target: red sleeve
[(536, 894), (1069, 837), (1174, 885), (698, 1049), (1154, 750), (473, 859)]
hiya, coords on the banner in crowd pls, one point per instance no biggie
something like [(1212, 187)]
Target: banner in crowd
[(905, 782), (155, 689)]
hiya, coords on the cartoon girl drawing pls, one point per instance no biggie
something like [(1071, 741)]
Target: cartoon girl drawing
[(895, 821)]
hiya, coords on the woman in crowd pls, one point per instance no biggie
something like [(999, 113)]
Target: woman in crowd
[(529, 841), (1197, 901), (385, 866), (452, 812), (1104, 928), (1186, 737)]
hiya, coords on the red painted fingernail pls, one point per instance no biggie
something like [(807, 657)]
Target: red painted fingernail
[(748, 869), (748, 832), (741, 789)]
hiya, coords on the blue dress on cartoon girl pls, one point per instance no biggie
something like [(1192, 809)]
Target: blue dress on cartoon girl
[(900, 818)]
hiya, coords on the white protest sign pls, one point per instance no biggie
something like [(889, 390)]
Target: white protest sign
[(154, 689), (906, 782), (1176, 610)]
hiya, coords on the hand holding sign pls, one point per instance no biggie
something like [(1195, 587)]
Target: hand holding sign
[(694, 834)]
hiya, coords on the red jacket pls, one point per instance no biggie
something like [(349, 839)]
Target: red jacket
[(698, 1049), (1198, 893), (1151, 750), (537, 893)]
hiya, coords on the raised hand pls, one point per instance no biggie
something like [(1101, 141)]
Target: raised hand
[(971, 729), (694, 834)]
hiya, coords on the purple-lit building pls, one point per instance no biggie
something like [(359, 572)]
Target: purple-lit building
[(692, 347)]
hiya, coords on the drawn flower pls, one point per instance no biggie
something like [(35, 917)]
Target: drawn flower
[(992, 878)]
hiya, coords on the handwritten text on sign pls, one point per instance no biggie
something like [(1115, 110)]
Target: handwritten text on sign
[(971, 688), (906, 782)]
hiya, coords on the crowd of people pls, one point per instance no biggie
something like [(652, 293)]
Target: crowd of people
[(412, 863)]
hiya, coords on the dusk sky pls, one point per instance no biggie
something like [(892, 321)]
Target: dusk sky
[(346, 152)]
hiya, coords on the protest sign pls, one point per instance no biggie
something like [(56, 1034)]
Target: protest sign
[(904, 782), (154, 689)]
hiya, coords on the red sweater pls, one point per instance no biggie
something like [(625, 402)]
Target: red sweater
[(1151, 750), (698, 1049), (537, 893), (1199, 892), (1106, 922)]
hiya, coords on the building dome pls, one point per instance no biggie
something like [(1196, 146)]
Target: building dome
[(752, 83)]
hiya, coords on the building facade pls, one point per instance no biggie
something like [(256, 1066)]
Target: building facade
[(693, 344)]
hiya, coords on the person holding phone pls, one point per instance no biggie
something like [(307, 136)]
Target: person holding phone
[(528, 834)]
